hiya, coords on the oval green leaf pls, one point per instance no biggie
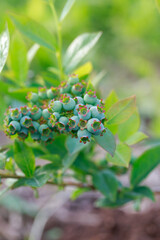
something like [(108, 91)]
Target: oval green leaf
[(144, 165), (33, 30), (24, 158), (107, 142)]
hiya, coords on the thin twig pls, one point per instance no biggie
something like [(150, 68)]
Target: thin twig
[(63, 184)]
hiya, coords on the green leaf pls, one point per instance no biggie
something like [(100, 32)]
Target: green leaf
[(84, 70), (35, 182), (136, 137), (4, 48), (129, 127), (121, 111), (73, 145), (110, 100), (122, 156), (66, 9), (90, 86), (2, 160), (24, 158), (79, 49), (68, 160), (145, 192), (144, 165), (106, 182), (107, 142), (2, 110), (33, 30), (78, 192), (32, 52), (18, 56)]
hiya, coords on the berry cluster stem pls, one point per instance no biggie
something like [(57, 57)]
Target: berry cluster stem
[(58, 29)]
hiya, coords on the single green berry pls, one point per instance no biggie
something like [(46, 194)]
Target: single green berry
[(44, 130), (46, 138), (13, 127), (23, 133), (68, 103), (73, 123), (76, 109), (65, 87), (84, 113), (36, 136), (97, 112), (15, 114), (46, 114), (63, 120), (36, 113), (34, 128), (25, 111), (90, 97), (42, 93), (77, 89), (62, 123), (73, 79), (94, 126), (84, 136), (33, 97), (52, 93), (26, 121), (82, 124), (79, 100), (56, 106)]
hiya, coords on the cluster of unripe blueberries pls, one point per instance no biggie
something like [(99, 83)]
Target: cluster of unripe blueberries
[(68, 109)]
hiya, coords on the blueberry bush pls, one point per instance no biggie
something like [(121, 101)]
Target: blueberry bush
[(58, 116)]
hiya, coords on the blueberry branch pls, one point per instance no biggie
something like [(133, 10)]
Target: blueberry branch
[(4, 175)]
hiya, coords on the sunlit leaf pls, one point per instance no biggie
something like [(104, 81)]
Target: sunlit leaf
[(136, 137), (4, 47), (32, 52), (79, 49), (129, 127), (121, 111), (18, 58), (33, 30), (84, 70), (66, 9), (110, 100), (122, 155)]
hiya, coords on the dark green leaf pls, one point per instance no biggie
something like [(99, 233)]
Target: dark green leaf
[(33, 30), (107, 142), (145, 192), (106, 182), (24, 158), (144, 165)]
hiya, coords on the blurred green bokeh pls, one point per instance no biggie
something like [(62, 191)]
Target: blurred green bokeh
[(129, 49)]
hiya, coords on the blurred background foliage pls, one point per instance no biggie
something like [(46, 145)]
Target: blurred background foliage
[(128, 51)]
